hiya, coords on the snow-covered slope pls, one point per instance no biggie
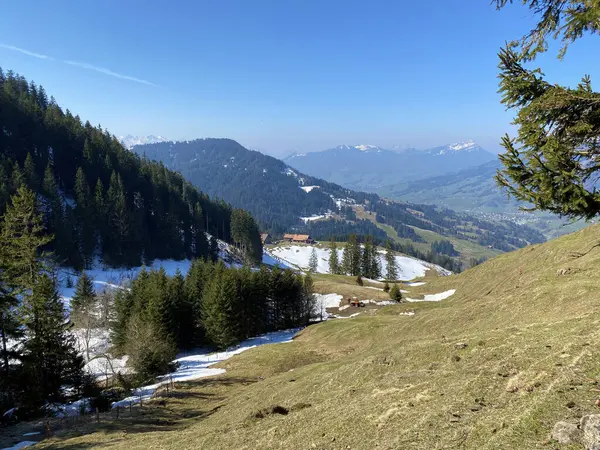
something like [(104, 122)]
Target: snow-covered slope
[(130, 141), (299, 256)]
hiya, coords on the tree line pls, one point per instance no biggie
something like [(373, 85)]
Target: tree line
[(211, 305), (98, 199)]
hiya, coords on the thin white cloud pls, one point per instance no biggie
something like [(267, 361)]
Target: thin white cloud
[(25, 52), (78, 64), (107, 72)]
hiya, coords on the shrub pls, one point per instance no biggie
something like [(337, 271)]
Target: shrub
[(395, 294)]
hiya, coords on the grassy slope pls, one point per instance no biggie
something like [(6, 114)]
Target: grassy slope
[(392, 381)]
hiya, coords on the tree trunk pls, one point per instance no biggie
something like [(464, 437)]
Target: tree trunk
[(4, 344)]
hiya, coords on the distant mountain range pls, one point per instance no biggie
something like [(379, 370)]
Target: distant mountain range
[(370, 168), (130, 141)]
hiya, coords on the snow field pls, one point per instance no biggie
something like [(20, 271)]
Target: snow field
[(299, 256), (433, 297)]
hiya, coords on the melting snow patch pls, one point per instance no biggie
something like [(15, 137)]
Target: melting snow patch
[(308, 188), (315, 217), (105, 278), (415, 283), (299, 256), (195, 366), (33, 433), (434, 297), (324, 301), (407, 313)]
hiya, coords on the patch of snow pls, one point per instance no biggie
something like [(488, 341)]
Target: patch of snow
[(299, 256), (308, 188), (324, 301), (373, 281), (119, 278), (462, 145), (415, 283), (345, 317), (365, 147), (197, 365), (130, 141), (315, 217), (272, 260), (33, 433), (407, 313), (22, 444), (291, 173), (373, 287), (434, 297)]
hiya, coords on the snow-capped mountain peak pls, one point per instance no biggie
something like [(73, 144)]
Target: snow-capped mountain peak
[(462, 147), (361, 147), (467, 145), (130, 141)]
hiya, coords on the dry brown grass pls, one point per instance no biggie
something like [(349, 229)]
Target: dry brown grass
[(400, 382)]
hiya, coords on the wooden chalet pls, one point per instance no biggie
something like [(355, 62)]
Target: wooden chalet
[(265, 238), (298, 238)]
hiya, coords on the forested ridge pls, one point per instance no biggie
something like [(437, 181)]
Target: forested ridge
[(97, 198), (271, 191)]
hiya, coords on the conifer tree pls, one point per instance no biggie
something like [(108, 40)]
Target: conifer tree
[(313, 262), (392, 266), (51, 362), (182, 312), (85, 214), (100, 214), (85, 294), (395, 293), (351, 258), (334, 265), (551, 164), (309, 299), (23, 236), (219, 312), (30, 173)]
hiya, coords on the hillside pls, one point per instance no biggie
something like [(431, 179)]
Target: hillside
[(368, 168), (474, 189), (283, 199), (98, 199), (494, 366)]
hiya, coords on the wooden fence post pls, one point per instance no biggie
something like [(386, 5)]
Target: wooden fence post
[(97, 414)]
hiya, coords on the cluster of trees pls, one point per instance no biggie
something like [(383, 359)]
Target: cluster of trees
[(99, 199), (340, 230), (444, 247), (361, 260), (211, 305), (39, 359)]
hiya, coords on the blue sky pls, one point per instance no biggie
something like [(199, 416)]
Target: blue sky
[(278, 75)]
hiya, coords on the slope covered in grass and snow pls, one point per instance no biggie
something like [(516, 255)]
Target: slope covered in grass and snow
[(299, 256), (195, 365)]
